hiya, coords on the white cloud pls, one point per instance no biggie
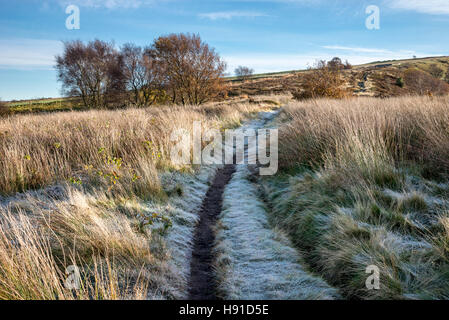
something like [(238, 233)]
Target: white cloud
[(356, 49), (228, 15), (29, 53), (109, 4), (367, 50), (423, 6)]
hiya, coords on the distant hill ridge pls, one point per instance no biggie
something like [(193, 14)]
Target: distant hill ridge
[(379, 79)]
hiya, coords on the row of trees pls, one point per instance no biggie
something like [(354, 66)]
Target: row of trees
[(179, 68)]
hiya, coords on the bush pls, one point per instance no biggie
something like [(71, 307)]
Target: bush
[(436, 71), (4, 109), (422, 83), (400, 82), (323, 81)]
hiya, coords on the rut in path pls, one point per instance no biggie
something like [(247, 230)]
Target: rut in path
[(202, 282)]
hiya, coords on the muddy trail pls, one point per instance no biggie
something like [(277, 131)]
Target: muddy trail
[(202, 282)]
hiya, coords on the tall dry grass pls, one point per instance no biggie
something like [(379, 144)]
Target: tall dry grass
[(97, 169), (367, 185), (367, 133), (119, 148)]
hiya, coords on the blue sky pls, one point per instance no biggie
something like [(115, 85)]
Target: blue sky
[(268, 35)]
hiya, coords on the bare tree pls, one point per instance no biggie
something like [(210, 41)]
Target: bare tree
[(192, 71), (143, 79), (244, 73), (92, 71), (347, 65)]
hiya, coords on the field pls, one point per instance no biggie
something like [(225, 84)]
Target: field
[(364, 182), (362, 80), (98, 190)]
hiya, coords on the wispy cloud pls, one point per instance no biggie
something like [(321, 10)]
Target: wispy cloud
[(368, 50), (282, 62), (28, 53), (109, 4), (228, 15), (423, 6), (359, 49)]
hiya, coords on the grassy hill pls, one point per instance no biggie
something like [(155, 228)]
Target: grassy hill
[(372, 79)]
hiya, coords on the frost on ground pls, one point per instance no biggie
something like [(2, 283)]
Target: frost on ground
[(94, 221), (403, 232), (254, 261), (183, 213)]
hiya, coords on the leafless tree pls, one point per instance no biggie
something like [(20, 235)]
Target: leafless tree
[(92, 71), (143, 78), (347, 65), (192, 71), (244, 72)]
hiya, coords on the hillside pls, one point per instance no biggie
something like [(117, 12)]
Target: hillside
[(378, 79)]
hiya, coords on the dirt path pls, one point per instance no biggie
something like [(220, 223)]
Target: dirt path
[(202, 282)]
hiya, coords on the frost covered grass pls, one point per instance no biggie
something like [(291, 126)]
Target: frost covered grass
[(363, 182), (99, 191), (184, 214), (253, 261), (110, 239)]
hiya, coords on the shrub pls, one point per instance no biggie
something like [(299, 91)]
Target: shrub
[(335, 64), (400, 82), (436, 71), (4, 109), (420, 82), (324, 80)]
